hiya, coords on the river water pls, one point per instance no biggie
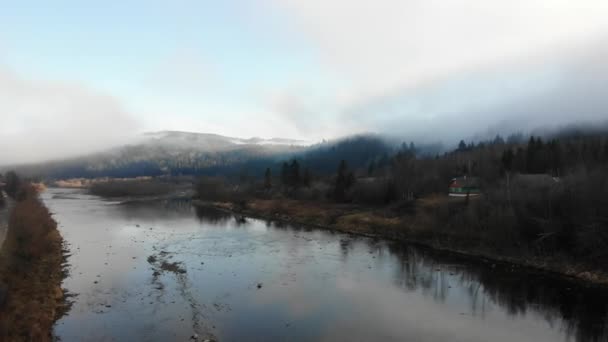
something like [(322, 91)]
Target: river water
[(166, 271)]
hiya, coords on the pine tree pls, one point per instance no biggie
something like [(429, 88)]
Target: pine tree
[(306, 178), (507, 160), (531, 155), (462, 146), (12, 184), (267, 179), (294, 173), (555, 157), (519, 162), (371, 168), (285, 174), (341, 182), (498, 140)]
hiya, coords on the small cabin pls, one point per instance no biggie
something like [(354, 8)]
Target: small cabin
[(464, 186)]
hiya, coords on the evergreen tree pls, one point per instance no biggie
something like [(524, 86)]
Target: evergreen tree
[(285, 174), (341, 182), (498, 140), (371, 168), (306, 178), (555, 157), (519, 162), (391, 192), (462, 146), (507, 160), (267, 179), (531, 155), (12, 184), (294, 173)]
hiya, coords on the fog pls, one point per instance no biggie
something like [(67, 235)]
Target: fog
[(430, 71), (44, 120), (558, 89), (444, 71)]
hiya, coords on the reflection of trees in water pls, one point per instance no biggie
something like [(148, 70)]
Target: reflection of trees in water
[(215, 216), (180, 205), (173, 208), (179, 208), (583, 311)]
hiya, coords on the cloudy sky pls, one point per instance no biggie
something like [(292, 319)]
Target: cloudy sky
[(78, 76)]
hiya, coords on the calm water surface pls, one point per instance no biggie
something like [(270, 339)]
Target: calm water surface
[(164, 271)]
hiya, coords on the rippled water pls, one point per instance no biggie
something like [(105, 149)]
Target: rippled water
[(164, 271)]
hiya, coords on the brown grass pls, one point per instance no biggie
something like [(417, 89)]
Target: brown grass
[(314, 213), (436, 221), (343, 217), (31, 269)]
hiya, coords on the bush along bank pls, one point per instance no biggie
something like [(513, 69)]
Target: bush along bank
[(31, 271)]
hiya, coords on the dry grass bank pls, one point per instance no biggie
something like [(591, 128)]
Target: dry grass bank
[(435, 221), (31, 272)]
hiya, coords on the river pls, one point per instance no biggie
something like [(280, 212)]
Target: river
[(166, 271)]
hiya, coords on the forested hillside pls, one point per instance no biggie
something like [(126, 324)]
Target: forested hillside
[(169, 153), (539, 196)]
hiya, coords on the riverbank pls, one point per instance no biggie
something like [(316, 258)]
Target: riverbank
[(31, 272), (412, 224)]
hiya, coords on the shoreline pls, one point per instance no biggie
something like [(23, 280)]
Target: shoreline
[(567, 271), (32, 273)]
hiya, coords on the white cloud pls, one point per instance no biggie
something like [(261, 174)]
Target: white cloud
[(380, 44), (42, 120), (558, 89), (447, 69)]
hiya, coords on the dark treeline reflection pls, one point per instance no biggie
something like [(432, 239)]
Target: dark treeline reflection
[(158, 209), (179, 208), (582, 312), (214, 216)]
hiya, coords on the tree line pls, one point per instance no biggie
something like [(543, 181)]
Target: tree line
[(548, 195)]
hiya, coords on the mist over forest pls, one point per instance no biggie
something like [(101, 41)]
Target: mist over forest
[(304, 170)]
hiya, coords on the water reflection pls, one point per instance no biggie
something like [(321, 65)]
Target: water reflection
[(216, 216), (212, 215), (581, 311), (317, 284)]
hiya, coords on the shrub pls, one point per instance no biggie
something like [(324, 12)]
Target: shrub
[(212, 189), (30, 223)]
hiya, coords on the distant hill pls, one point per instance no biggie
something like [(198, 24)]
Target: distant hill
[(175, 153), (170, 153)]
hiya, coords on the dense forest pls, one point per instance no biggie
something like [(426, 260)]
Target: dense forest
[(539, 196)]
